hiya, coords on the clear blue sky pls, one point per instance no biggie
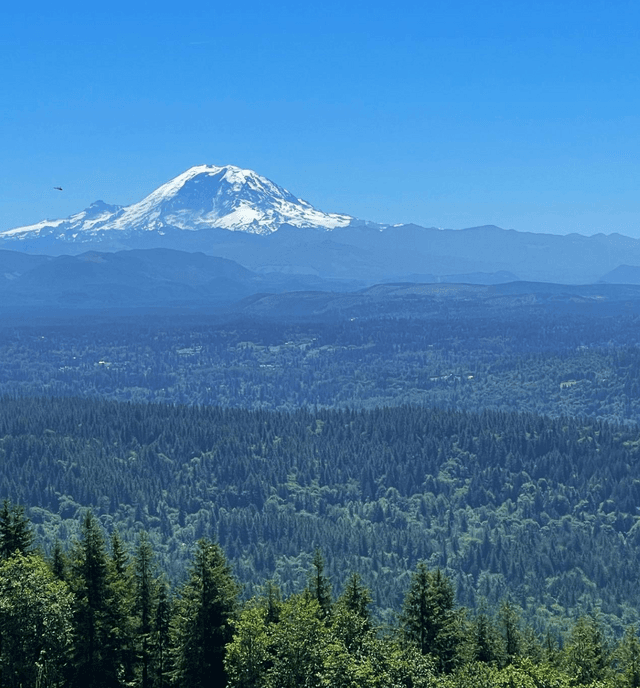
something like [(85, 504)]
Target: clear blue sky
[(451, 114)]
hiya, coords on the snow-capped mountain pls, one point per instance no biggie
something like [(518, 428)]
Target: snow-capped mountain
[(203, 197)]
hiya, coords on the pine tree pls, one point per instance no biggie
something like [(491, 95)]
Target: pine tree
[(59, 562), (120, 609), (587, 652), (628, 656), (429, 620), (94, 665), (486, 641), (207, 603), (160, 666), (15, 530), (145, 602), (351, 618), (356, 598), (273, 602), (509, 626), (319, 585)]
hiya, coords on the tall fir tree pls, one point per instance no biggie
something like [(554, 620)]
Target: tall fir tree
[(94, 661), (205, 607), (161, 655), (319, 586), (15, 530), (146, 595), (120, 614), (429, 619)]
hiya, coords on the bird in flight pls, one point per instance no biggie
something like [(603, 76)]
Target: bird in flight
[(58, 188)]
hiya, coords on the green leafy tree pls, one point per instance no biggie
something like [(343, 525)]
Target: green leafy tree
[(205, 607), (249, 654), (299, 645), (36, 612)]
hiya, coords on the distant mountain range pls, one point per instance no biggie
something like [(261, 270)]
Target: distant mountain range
[(177, 280), (238, 215)]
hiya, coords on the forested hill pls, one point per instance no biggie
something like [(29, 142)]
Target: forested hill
[(544, 509)]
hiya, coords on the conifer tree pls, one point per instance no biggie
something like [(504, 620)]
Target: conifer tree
[(273, 602), (319, 585), (94, 661), (120, 608), (628, 656), (429, 620), (59, 563), (509, 626), (160, 667), (207, 603), (486, 641), (15, 530), (145, 602), (351, 620), (587, 652)]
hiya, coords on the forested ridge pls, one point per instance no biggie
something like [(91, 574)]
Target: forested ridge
[(545, 509)]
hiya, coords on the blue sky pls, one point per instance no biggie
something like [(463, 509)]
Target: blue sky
[(521, 114)]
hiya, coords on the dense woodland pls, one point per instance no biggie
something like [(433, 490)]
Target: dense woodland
[(101, 617), (545, 509), (494, 450)]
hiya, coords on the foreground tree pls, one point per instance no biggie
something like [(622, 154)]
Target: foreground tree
[(249, 654), (320, 586), (204, 610), (429, 620), (145, 600), (298, 644), (101, 635), (587, 652), (160, 643), (35, 623), (628, 658)]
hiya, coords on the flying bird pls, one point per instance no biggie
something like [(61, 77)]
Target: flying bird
[(58, 188)]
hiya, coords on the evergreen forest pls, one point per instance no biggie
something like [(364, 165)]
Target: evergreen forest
[(443, 495)]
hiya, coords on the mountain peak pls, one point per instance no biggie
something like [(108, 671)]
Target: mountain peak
[(202, 197)]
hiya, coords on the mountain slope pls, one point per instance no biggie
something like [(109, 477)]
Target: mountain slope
[(203, 197), (153, 278)]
